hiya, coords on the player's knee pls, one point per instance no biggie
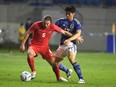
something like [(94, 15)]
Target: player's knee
[(72, 60), (52, 62), (58, 60), (30, 54)]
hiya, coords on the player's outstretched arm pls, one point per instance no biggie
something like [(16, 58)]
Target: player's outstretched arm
[(74, 37), (67, 33), (22, 46)]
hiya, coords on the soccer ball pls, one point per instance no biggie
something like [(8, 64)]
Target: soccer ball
[(25, 76)]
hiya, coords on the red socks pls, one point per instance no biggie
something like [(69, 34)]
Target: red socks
[(31, 63), (56, 71)]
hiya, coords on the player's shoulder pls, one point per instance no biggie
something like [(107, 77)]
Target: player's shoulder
[(37, 22), (76, 21), (62, 19), (52, 25)]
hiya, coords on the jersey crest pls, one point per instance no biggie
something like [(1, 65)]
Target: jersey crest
[(71, 26)]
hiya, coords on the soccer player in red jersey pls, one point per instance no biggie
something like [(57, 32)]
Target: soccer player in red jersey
[(41, 33)]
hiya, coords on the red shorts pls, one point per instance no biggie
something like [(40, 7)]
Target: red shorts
[(43, 50)]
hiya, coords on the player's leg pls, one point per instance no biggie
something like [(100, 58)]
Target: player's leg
[(49, 57), (56, 70), (51, 60), (76, 66), (66, 70), (30, 59), (59, 55), (55, 67)]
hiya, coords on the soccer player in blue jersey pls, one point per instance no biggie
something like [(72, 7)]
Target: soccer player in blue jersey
[(68, 44)]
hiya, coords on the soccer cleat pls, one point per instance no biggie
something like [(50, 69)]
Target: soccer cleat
[(69, 74), (61, 79), (33, 74), (81, 81)]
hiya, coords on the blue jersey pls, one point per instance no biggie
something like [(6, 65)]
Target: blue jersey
[(71, 26)]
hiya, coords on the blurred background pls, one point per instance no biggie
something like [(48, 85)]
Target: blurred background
[(96, 16)]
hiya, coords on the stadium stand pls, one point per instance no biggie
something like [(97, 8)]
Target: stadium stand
[(106, 3), (86, 2), (96, 20), (81, 2)]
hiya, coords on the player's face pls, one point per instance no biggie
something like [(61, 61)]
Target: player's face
[(46, 23), (69, 15)]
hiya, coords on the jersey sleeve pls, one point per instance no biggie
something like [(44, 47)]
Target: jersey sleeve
[(32, 28), (78, 26), (57, 22), (57, 29)]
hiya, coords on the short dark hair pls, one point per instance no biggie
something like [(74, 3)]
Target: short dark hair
[(70, 9), (47, 18)]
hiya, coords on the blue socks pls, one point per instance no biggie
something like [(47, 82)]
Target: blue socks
[(77, 70), (63, 68)]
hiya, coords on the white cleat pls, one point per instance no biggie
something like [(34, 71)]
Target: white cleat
[(69, 74), (61, 79), (33, 75), (81, 81)]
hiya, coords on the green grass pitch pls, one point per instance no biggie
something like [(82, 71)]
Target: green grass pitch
[(99, 70)]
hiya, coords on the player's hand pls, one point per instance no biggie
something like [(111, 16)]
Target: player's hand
[(66, 42), (22, 48), (80, 39)]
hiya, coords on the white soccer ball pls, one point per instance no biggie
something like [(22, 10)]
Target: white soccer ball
[(25, 76)]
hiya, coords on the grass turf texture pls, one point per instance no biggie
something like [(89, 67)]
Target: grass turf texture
[(99, 70)]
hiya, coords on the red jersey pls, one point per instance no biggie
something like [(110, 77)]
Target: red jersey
[(41, 36)]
